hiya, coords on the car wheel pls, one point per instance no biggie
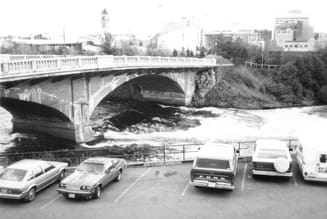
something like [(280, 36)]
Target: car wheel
[(30, 195), (97, 192), (118, 178)]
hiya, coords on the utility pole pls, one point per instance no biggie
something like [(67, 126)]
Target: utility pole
[(64, 35)]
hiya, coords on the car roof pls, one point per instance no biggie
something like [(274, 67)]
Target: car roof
[(101, 160), (271, 144), (216, 151), (26, 164)]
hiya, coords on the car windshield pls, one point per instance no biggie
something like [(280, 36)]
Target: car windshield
[(13, 174), (272, 153), (211, 163), (90, 167)]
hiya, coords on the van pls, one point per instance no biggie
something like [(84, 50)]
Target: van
[(215, 166), (311, 157)]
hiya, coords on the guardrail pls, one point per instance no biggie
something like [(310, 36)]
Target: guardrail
[(138, 154), (261, 66), (46, 64)]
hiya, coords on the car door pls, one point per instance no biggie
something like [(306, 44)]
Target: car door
[(39, 178), (50, 172), (113, 170)]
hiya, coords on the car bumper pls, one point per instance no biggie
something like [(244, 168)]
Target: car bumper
[(271, 173), (216, 185), (75, 193), (316, 179), (13, 196)]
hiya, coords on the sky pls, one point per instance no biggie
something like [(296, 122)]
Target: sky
[(21, 17)]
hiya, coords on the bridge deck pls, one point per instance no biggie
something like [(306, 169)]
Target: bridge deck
[(24, 67)]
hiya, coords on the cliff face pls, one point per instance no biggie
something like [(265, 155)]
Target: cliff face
[(242, 87)]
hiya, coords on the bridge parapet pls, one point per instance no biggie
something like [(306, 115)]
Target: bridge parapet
[(37, 65)]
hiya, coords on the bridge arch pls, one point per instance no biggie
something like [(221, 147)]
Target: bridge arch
[(151, 87), (34, 117)]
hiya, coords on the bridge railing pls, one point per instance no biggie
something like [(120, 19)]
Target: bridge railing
[(45, 64)]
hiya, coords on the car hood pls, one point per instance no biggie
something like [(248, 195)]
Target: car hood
[(81, 178), (11, 184)]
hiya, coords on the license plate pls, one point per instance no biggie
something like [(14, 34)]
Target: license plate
[(211, 185), (322, 170), (71, 195)]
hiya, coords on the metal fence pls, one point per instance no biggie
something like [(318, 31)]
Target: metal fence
[(134, 154)]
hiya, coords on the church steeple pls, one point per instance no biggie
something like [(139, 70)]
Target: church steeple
[(105, 21)]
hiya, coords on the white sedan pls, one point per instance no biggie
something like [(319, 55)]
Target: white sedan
[(24, 178)]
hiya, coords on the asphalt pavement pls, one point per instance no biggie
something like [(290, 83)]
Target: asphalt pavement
[(164, 192)]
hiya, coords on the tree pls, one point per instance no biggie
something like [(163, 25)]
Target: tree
[(107, 44), (175, 53), (322, 94)]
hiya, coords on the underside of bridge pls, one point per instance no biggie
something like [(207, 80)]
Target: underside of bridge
[(61, 106), (37, 118), (151, 88)]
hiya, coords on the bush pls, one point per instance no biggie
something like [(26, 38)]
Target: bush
[(322, 94)]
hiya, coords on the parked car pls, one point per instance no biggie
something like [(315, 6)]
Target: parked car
[(311, 156), (91, 176), (215, 167), (23, 179), (272, 158)]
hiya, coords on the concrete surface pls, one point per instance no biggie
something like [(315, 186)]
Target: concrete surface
[(164, 192)]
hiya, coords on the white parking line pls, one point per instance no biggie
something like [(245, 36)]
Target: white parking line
[(50, 202), (129, 187), (244, 173), (185, 188)]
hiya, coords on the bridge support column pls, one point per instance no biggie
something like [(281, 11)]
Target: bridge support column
[(82, 130)]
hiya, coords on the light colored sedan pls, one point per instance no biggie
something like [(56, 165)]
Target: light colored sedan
[(91, 176), (24, 178)]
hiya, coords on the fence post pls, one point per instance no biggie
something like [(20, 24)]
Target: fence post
[(183, 152), (289, 144), (164, 153)]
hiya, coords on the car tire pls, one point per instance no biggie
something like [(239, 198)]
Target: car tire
[(97, 192), (118, 178), (30, 195)]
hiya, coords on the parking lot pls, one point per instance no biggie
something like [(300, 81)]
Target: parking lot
[(164, 192)]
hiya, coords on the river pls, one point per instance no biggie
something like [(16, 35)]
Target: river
[(126, 123)]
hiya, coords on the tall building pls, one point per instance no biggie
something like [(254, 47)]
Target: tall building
[(105, 22), (254, 37), (184, 34), (293, 32)]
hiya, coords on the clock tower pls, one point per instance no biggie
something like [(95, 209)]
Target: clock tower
[(105, 22)]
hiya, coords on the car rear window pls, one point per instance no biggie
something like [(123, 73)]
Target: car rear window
[(272, 153), (323, 158), (13, 174), (211, 163)]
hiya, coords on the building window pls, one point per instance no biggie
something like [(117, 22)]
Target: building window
[(295, 46), (286, 46), (291, 46), (305, 46)]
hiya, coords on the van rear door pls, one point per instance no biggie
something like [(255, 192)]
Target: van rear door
[(322, 164)]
